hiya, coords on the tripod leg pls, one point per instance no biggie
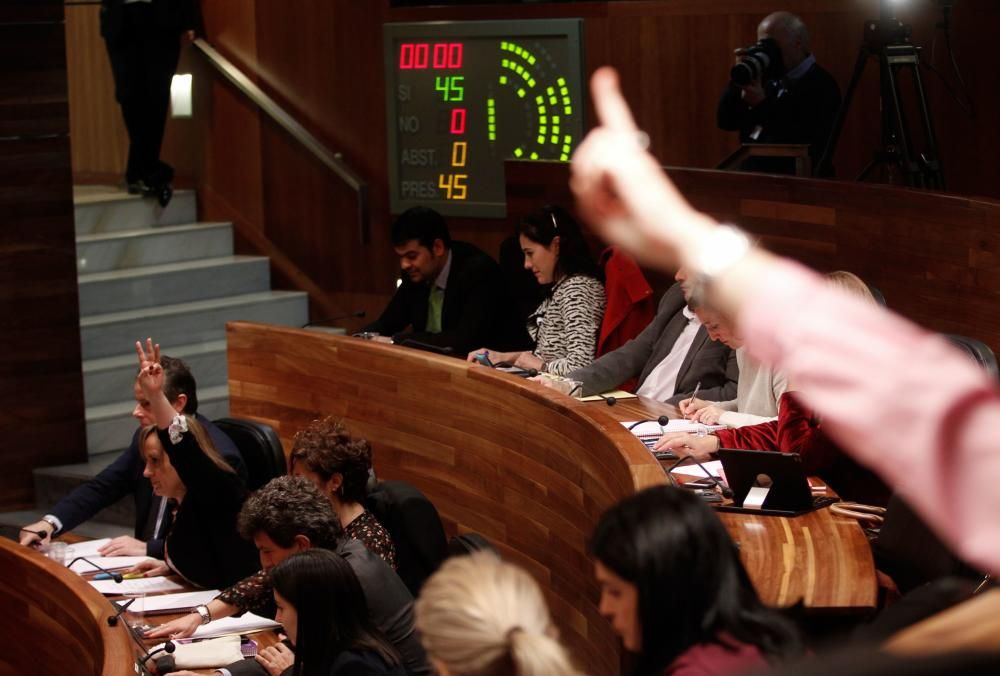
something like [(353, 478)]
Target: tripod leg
[(897, 124), (845, 106), (932, 161)]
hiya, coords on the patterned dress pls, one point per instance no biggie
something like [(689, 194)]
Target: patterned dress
[(373, 536), (565, 327)]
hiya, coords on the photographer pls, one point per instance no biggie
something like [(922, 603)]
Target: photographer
[(779, 94)]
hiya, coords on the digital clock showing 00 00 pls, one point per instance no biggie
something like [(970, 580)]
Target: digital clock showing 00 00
[(461, 97)]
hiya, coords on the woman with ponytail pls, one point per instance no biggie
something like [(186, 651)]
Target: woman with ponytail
[(480, 616), (674, 589)]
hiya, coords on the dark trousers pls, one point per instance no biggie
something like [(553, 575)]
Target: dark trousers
[(143, 61)]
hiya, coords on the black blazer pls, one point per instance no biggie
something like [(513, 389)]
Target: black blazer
[(124, 477), (709, 362), (203, 545), (475, 311)]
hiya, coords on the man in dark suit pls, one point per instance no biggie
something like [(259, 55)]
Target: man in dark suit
[(452, 293), (795, 102), (143, 39), (670, 357), (124, 476)]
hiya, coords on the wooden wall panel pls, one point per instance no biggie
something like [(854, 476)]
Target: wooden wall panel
[(933, 256), (100, 143), (41, 387)]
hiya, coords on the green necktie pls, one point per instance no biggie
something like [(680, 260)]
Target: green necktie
[(434, 303)]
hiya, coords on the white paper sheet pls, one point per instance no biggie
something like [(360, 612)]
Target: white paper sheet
[(87, 548), (650, 428), (168, 603), (106, 562), (617, 394), (690, 469), (234, 625), (143, 585)]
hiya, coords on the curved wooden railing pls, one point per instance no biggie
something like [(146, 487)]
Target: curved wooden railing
[(53, 622), (527, 467)]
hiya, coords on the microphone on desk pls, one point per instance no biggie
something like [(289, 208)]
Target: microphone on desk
[(727, 492), (121, 608), (446, 350), (661, 421), (169, 647), (357, 314), (117, 577), (610, 401)]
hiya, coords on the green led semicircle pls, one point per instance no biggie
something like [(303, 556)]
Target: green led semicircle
[(516, 64)]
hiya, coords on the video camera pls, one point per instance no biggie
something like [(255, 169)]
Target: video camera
[(760, 61)]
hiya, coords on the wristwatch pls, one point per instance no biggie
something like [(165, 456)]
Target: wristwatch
[(726, 246), (52, 522), (203, 611)]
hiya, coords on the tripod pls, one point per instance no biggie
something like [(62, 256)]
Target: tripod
[(888, 39)]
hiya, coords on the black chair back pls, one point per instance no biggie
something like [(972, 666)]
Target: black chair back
[(979, 351), (415, 527), (911, 553), (260, 447)]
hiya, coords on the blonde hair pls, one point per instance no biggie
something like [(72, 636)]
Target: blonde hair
[(200, 435), (481, 616), (851, 283)]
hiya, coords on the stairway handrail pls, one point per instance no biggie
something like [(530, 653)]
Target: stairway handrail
[(333, 161)]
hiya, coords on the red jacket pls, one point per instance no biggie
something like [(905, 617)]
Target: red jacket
[(799, 430), (631, 306)]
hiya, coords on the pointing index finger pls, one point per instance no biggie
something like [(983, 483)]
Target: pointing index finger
[(612, 110)]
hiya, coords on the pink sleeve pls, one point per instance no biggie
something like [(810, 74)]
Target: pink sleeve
[(901, 400)]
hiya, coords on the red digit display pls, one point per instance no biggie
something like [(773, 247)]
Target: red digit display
[(455, 55), (406, 56), (421, 53), (440, 55), (458, 121)]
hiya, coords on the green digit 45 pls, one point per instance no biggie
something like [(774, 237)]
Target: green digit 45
[(451, 88)]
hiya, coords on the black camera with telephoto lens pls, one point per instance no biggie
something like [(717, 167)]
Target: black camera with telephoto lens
[(761, 61)]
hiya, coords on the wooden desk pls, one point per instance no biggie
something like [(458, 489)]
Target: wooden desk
[(819, 558), (527, 467), (55, 623)]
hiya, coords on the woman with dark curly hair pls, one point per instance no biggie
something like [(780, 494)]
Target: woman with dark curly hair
[(339, 465)]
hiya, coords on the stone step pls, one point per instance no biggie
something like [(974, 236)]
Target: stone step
[(111, 426), (135, 248), (188, 323), (154, 285), (105, 209), (111, 379), (52, 483)]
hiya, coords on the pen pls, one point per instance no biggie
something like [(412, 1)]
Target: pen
[(694, 395), (133, 576), (102, 576)]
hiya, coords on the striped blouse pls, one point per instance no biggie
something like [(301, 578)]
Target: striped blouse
[(565, 327)]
